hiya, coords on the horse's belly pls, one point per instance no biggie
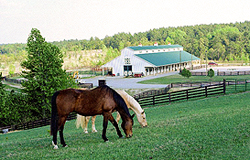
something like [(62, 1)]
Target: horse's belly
[(88, 111)]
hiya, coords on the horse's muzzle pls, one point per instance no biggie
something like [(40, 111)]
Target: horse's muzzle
[(129, 135)]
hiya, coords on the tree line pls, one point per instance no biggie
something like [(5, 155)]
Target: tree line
[(44, 76), (221, 42)]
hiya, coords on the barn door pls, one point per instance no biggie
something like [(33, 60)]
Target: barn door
[(127, 70)]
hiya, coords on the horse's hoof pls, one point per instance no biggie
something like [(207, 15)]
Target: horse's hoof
[(121, 137), (86, 132), (107, 141), (65, 145), (55, 147), (94, 131)]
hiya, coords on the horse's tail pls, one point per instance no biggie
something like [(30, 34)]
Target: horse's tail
[(53, 125), (80, 121)]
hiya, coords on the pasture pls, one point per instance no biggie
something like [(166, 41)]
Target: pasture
[(211, 128), (180, 79)]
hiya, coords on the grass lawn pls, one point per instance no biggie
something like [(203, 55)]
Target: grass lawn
[(211, 128), (179, 78)]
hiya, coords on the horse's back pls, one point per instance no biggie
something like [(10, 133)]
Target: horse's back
[(67, 99)]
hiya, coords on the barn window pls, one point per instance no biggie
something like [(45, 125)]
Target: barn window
[(127, 61)]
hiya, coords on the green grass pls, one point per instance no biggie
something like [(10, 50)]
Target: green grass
[(211, 128), (181, 79)]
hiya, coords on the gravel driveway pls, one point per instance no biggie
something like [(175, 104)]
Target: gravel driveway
[(128, 83)]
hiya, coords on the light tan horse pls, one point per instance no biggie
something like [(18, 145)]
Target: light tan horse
[(131, 103)]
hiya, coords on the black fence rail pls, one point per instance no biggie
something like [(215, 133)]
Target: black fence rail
[(85, 85), (237, 85), (186, 94), (222, 73), (233, 73), (18, 81), (152, 92), (34, 124), (194, 84), (198, 73)]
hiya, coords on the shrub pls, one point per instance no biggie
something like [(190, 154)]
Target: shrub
[(186, 73), (210, 73)]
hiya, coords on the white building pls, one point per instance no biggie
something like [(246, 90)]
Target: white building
[(151, 60)]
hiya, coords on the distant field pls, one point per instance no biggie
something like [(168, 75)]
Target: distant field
[(212, 128), (179, 78)]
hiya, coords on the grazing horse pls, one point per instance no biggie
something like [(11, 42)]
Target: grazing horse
[(99, 101), (131, 103)]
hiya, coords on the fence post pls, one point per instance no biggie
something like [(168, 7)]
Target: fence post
[(245, 85), (224, 86), (187, 94), (235, 84), (153, 100), (206, 91), (169, 97)]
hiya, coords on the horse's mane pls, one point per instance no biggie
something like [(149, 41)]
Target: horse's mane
[(117, 97)]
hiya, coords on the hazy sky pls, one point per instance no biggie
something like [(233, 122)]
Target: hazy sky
[(81, 19)]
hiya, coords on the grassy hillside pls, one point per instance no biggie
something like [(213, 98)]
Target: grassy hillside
[(213, 128)]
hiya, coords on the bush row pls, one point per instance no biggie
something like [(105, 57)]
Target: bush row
[(15, 108)]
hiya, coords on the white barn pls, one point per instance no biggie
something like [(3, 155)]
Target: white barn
[(151, 60)]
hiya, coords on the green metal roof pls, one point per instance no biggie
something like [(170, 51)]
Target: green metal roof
[(167, 58), (137, 48)]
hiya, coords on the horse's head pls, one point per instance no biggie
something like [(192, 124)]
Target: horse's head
[(127, 126), (142, 119)]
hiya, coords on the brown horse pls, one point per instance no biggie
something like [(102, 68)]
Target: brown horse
[(99, 101)]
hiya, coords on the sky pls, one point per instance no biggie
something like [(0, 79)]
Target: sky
[(60, 20)]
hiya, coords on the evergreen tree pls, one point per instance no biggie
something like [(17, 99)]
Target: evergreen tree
[(44, 73)]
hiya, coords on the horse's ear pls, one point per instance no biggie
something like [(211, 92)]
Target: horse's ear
[(132, 116)]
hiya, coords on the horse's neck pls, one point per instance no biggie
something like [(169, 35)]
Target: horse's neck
[(135, 106), (123, 114)]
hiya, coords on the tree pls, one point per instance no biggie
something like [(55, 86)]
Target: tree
[(2, 93), (210, 73), (186, 73), (44, 73)]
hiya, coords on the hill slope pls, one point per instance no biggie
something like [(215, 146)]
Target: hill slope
[(212, 128)]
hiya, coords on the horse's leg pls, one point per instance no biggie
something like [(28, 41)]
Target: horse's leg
[(93, 124), (112, 120), (118, 117), (86, 124), (54, 141), (105, 125), (61, 123)]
